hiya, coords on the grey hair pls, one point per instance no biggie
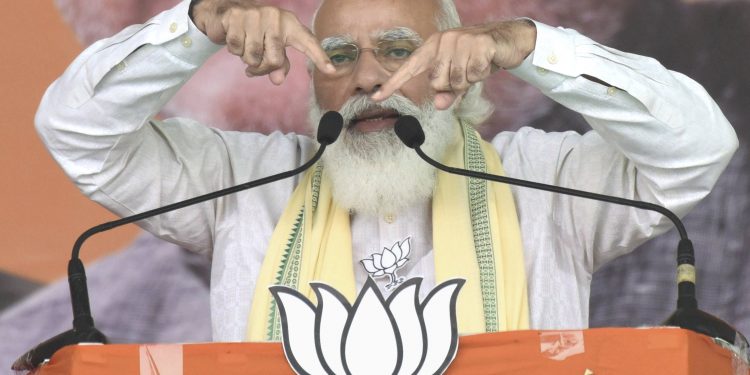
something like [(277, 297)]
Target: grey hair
[(474, 108), (448, 17)]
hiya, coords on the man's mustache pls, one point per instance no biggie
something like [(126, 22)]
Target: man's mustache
[(358, 105)]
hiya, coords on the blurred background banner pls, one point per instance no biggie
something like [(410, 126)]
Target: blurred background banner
[(152, 291)]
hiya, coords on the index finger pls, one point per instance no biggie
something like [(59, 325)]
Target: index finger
[(415, 65), (305, 42)]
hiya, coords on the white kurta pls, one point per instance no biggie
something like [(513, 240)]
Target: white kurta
[(657, 137)]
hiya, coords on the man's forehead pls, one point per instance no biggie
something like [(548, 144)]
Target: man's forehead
[(375, 19), (371, 4)]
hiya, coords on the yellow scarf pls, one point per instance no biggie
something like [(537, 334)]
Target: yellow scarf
[(476, 238)]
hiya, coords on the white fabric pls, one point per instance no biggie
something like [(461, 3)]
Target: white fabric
[(659, 138)]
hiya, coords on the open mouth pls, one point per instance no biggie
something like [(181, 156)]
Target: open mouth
[(374, 119)]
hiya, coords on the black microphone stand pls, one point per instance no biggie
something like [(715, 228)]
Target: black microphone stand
[(687, 315), (83, 323)]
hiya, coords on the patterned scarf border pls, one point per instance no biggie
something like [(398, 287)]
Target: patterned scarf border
[(480, 225), (291, 261)]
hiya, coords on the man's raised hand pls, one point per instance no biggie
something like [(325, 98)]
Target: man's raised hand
[(458, 58), (259, 35)]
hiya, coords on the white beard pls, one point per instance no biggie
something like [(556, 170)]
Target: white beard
[(375, 173)]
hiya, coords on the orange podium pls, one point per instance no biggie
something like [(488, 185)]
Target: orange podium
[(598, 351)]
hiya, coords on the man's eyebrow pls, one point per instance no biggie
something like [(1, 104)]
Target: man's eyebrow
[(398, 33), (335, 41)]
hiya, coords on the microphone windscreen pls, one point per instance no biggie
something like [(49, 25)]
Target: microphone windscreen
[(330, 127), (409, 131)]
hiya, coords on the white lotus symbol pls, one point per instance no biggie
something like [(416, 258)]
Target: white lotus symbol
[(387, 262), (399, 335)]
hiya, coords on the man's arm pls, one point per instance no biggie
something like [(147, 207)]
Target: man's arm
[(658, 137), (97, 121)]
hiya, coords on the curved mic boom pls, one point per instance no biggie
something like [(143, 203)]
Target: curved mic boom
[(687, 315), (84, 330)]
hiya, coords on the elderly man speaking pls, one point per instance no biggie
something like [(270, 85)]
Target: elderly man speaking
[(527, 256)]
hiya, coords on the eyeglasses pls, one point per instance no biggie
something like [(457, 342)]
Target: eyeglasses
[(391, 54)]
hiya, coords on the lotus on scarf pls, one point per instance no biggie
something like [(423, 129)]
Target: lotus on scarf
[(387, 262), (397, 335)]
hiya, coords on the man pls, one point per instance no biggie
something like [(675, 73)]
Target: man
[(527, 256)]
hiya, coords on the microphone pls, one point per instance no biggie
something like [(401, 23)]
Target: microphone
[(84, 330), (687, 315)]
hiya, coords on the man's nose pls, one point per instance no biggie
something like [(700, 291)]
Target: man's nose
[(369, 74)]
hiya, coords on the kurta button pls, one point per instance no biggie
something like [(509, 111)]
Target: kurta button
[(390, 218), (552, 59), (541, 70), (611, 91), (121, 66), (187, 42), (173, 27)]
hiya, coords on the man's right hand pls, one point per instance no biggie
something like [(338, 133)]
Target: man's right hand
[(259, 35)]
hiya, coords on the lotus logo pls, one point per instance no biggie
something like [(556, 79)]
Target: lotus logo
[(387, 262), (398, 335)]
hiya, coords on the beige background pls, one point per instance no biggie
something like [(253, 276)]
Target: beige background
[(41, 212)]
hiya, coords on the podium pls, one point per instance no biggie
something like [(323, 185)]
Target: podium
[(598, 351)]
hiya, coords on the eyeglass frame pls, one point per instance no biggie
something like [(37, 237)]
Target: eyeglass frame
[(359, 50)]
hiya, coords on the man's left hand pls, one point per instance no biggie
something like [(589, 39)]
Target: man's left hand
[(458, 58)]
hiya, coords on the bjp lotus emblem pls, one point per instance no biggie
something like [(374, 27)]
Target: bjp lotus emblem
[(387, 262), (398, 335)]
